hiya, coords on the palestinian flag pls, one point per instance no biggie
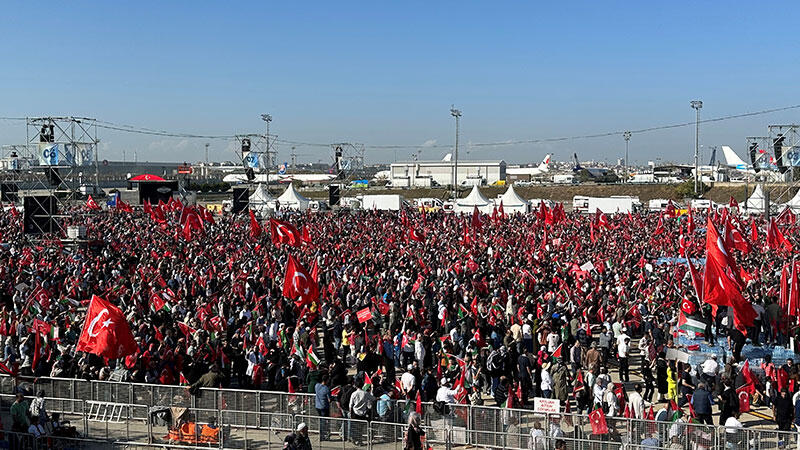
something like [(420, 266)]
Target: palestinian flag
[(298, 350), (312, 360), (462, 312), (689, 324)]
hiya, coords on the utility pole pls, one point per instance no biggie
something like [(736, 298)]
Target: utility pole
[(457, 114), (267, 119), (696, 105), (627, 136), (294, 158), (206, 167)]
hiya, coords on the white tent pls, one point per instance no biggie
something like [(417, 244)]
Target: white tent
[(291, 199), (755, 204), (260, 200), (512, 202), (794, 203), (475, 198)]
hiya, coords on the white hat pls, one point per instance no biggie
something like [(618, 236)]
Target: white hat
[(302, 426)]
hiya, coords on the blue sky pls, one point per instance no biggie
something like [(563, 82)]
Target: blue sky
[(387, 72)]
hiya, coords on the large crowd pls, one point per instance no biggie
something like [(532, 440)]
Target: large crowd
[(423, 306)]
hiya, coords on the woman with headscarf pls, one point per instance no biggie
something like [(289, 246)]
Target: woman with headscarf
[(414, 433)]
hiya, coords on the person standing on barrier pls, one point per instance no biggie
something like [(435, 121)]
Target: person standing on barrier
[(414, 433), (322, 402)]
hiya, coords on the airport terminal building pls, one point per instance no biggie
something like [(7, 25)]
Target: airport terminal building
[(428, 173)]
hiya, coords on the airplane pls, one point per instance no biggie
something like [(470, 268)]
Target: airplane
[(733, 161), (594, 173), (765, 165), (305, 178), (544, 167)]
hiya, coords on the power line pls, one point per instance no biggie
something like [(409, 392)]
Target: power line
[(163, 133)]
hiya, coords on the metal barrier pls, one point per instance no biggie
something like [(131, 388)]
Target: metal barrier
[(254, 417)]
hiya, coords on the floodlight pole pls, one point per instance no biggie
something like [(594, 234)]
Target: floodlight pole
[(627, 136), (457, 114), (696, 105)]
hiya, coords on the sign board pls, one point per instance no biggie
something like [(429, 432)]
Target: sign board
[(677, 355), (546, 405), (185, 169), (588, 266), (364, 315)]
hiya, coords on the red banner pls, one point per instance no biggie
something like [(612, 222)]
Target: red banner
[(364, 315)]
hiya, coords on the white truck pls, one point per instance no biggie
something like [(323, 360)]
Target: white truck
[(473, 181), (382, 202), (608, 205), (642, 178), (565, 179), (657, 204)]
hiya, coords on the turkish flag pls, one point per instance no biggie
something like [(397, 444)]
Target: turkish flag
[(659, 227), (477, 222), (414, 235), (106, 332), (306, 236), (744, 399), (720, 285), (91, 204), (299, 284), (775, 238), (284, 233), (602, 220), (255, 228), (688, 307), (598, 421)]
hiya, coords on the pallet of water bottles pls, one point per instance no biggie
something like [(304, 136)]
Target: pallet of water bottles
[(700, 350)]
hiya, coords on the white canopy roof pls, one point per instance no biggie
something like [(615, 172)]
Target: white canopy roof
[(260, 200), (756, 202), (292, 199), (794, 203), (473, 199), (511, 198)]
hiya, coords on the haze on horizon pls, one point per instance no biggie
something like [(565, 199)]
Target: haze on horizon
[(387, 73)]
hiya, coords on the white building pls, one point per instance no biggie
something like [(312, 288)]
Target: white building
[(432, 173)]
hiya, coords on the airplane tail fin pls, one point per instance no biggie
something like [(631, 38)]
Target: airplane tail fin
[(545, 165), (577, 167), (448, 157), (731, 158)]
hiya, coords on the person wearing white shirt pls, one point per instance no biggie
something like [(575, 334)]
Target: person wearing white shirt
[(610, 400), (445, 394), (710, 369), (553, 339), (623, 347), (733, 428), (407, 380), (547, 381), (637, 402)]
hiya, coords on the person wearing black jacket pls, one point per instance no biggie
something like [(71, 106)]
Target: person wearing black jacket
[(728, 402), (783, 410)]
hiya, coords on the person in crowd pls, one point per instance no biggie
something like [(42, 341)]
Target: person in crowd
[(483, 307), (414, 433)]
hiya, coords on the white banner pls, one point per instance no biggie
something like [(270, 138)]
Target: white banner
[(546, 405)]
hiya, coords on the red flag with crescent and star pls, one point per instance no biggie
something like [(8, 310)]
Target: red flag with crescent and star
[(284, 233), (298, 284), (106, 332)]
